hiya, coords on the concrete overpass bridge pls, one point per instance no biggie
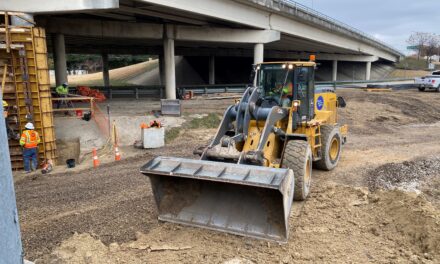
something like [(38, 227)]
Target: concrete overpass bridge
[(271, 29)]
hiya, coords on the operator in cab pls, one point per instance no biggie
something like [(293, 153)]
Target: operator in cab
[(282, 94)]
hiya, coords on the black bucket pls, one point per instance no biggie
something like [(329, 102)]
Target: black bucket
[(70, 163)]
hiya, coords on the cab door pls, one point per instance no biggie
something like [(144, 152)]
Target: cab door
[(304, 92)]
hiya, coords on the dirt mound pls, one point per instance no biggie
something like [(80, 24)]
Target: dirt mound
[(385, 226), (410, 221), (399, 73), (370, 113), (421, 176), (406, 175)]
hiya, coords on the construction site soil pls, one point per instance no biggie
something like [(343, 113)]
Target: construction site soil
[(380, 205)]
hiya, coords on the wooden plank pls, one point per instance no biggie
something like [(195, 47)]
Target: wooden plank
[(378, 89), (71, 109), (4, 78), (79, 98)]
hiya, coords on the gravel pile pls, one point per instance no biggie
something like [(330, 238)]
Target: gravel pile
[(405, 176)]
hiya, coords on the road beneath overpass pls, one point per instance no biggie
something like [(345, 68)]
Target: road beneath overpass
[(262, 29)]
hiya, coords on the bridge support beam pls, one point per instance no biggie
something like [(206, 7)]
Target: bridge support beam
[(368, 71), (258, 53), (105, 70), (335, 71), (59, 52), (211, 69), (170, 68)]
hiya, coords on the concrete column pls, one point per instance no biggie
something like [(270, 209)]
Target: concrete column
[(258, 53), (105, 70), (59, 52), (335, 71), (10, 242), (368, 71), (161, 70), (170, 68), (211, 70)]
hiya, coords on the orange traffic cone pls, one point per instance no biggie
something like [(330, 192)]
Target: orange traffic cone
[(95, 158), (117, 154)]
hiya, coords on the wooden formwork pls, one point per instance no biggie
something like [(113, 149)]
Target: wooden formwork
[(48, 127), (28, 88)]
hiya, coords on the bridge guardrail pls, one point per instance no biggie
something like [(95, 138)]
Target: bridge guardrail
[(158, 91), (297, 6), (150, 91)]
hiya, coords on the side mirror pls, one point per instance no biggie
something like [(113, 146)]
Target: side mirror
[(341, 102)]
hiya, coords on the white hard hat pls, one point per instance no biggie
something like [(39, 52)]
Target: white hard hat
[(29, 126), (66, 84)]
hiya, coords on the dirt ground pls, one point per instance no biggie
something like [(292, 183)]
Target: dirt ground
[(380, 205)]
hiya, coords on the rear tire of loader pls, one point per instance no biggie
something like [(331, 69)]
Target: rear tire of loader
[(298, 158), (331, 141)]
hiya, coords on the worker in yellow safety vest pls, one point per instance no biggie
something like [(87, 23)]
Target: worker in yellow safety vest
[(29, 141), (63, 89), (287, 97), (63, 92)]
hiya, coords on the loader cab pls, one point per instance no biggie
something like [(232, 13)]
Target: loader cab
[(283, 83)]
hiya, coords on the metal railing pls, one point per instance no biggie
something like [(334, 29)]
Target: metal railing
[(307, 10), (151, 91), (69, 107), (212, 88), (158, 91)]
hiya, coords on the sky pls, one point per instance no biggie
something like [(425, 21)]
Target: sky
[(391, 21)]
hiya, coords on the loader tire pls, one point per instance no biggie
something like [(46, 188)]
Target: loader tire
[(421, 89), (331, 141), (298, 158)]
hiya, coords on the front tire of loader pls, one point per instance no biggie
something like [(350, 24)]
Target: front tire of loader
[(298, 158), (331, 141)]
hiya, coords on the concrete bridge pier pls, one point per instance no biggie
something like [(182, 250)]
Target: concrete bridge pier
[(105, 70), (335, 71), (368, 71), (258, 53), (211, 69), (170, 67), (59, 52)]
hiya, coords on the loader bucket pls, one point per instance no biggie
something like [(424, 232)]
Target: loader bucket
[(245, 200)]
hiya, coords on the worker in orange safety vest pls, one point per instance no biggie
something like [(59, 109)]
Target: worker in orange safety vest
[(29, 141)]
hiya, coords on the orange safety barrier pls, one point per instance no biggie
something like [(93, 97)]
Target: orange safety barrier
[(87, 91), (101, 120)]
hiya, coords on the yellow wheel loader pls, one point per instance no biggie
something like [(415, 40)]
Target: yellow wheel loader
[(260, 159)]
